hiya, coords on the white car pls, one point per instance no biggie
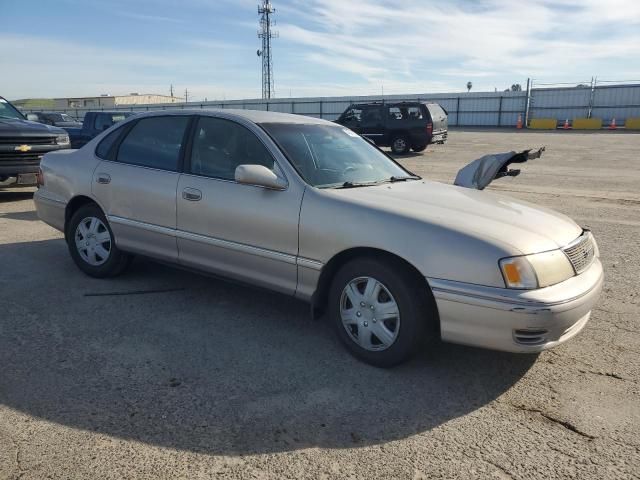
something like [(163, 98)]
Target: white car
[(310, 209)]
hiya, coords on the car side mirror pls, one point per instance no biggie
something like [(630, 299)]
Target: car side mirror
[(259, 175)]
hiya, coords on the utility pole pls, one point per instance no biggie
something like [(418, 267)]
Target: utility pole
[(266, 34), (186, 95), (171, 90)]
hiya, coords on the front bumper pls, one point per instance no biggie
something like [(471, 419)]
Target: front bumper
[(18, 169), (523, 321)]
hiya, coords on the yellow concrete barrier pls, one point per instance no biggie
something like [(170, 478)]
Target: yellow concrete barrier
[(587, 123), (632, 123), (543, 123)]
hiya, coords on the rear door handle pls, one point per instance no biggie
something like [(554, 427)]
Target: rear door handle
[(192, 194), (103, 178)]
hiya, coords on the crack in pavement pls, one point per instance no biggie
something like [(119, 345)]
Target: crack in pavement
[(559, 450), (504, 473), (564, 423), (607, 374), (18, 461)]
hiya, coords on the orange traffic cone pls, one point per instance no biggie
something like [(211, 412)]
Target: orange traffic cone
[(566, 125), (612, 126), (519, 122)]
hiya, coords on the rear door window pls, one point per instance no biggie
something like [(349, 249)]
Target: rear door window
[(395, 113), (405, 112), (104, 149), (154, 142), (414, 113)]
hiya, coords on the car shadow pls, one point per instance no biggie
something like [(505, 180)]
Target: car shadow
[(15, 195), (28, 216), (175, 359), (400, 156)]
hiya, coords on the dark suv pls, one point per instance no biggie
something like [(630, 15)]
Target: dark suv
[(401, 126)]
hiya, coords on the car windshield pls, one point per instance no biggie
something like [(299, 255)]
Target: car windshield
[(330, 156), (54, 117), (59, 117), (8, 111)]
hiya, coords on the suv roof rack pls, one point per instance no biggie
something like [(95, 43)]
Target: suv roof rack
[(390, 102)]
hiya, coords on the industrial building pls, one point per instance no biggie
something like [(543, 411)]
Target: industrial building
[(114, 100)]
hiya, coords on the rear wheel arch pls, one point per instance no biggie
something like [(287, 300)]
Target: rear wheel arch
[(319, 299), (76, 203)]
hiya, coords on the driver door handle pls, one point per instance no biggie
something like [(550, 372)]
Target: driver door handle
[(192, 194), (103, 178)]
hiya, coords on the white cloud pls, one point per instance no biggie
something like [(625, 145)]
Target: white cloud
[(411, 38), (41, 67), (332, 47)]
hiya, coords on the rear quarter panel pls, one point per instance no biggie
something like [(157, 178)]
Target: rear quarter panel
[(67, 174)]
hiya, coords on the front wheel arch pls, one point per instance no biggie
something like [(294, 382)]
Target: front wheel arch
[(319, 299)]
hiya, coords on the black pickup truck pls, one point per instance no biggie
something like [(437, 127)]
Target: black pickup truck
[(22, 145)]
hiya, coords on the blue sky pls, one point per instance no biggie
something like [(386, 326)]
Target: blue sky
[(332, 47)]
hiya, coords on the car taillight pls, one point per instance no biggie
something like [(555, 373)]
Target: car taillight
[(429, 128), (40, 178)]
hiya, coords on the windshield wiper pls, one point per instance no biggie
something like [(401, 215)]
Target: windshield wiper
[(349, 184), (356, 184), (403, 179)]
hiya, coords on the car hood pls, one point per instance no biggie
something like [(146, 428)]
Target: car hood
[(69, 124), (523, 226), (14, 127)]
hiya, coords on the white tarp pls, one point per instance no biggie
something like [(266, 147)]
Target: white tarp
[(481, 172)]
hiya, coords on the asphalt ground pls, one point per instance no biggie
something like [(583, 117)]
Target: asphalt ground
[(163, 373)]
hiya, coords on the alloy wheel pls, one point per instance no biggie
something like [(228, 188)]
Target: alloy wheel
[(399, 144)]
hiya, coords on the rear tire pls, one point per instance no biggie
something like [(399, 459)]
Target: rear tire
[(366, 288), (92, 244), (400, 145)]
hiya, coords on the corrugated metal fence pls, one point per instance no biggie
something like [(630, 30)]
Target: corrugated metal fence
[(491, 109)]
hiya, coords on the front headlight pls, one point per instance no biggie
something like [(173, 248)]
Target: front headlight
[(63, 139), (537, 270)]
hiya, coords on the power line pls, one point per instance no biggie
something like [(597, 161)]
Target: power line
[(265, 33)]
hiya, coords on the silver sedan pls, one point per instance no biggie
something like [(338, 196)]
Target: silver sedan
[(308, 208)]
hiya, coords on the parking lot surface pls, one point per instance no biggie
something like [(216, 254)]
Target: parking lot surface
[(163, 373)]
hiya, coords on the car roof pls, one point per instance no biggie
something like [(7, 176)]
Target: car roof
[(405, 102), (111, 112), (255, 116)]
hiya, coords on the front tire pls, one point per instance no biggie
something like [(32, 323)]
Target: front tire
[(92, 244), (380, 312), (400, 145)]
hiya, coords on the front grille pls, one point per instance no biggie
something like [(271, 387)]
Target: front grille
[(530, 336), (20, 157), (28, 141), (581, 252)]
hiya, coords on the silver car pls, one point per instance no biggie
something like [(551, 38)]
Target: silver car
[(308, 208)]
